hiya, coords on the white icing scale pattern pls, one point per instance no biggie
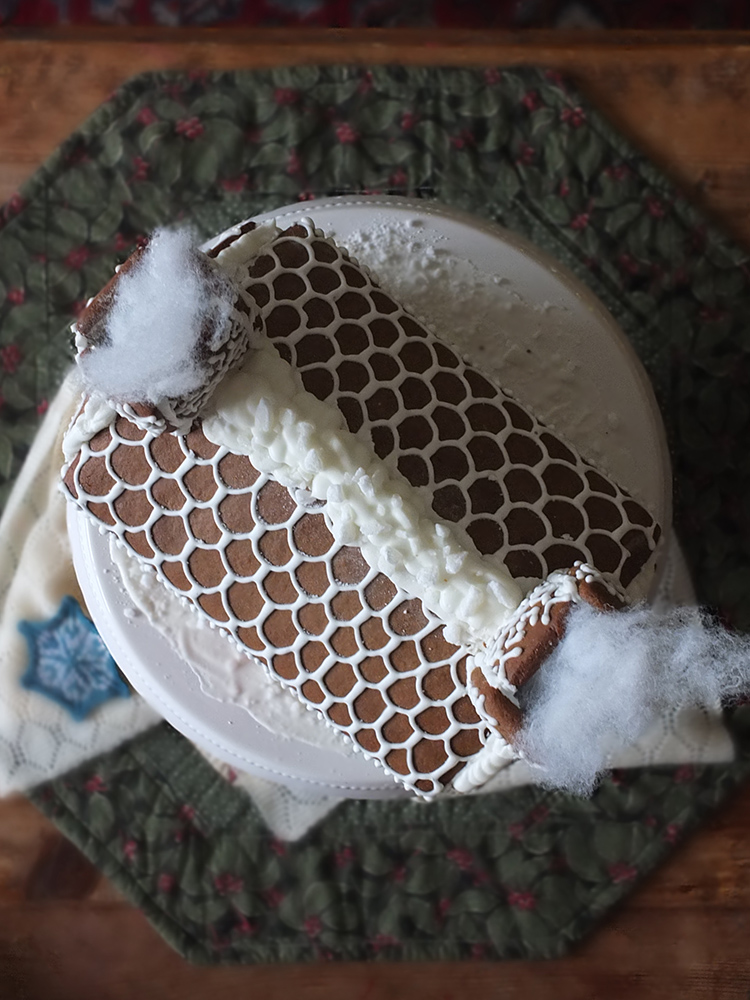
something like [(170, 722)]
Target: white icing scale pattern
[(506, 485), (558, 588), (266, 569)]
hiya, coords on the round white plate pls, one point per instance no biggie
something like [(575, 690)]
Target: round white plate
[(539, 303)]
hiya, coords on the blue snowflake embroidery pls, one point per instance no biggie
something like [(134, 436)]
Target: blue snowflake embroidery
[(69, 663)]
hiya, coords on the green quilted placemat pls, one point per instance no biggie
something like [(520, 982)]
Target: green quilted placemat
[(524, 873)]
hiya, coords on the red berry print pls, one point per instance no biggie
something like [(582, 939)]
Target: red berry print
[(191, 128), (345, 133), (10, 358)]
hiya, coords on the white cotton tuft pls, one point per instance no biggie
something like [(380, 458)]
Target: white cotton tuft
[(612, 676), (154, 346)]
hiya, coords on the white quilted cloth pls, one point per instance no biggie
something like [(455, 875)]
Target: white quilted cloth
[(40, 740)]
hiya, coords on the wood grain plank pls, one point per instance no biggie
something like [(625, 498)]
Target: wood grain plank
[(683, 104), (84, 953), (683, 932)]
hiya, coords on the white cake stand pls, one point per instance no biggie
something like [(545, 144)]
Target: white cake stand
[(603, 376)]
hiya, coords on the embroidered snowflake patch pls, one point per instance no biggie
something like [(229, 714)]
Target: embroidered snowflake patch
[(69, 663)]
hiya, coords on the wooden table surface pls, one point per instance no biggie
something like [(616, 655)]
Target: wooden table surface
[(65, 933)]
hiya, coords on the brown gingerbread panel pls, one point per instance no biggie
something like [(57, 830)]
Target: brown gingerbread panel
[(484, 462)]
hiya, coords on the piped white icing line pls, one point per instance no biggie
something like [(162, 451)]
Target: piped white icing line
[(560, 587), (262, 410), (496, 751), (94, 415), (234, 258), (484, 765)]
